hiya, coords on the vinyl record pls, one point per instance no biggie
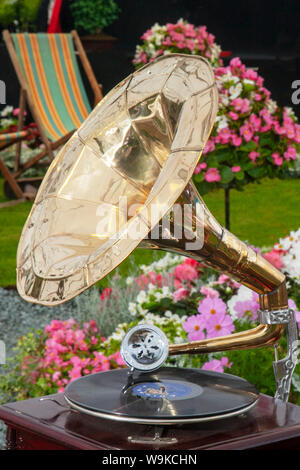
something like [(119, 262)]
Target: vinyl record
[(167, 396)]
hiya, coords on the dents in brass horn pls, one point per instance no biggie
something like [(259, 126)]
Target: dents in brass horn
[(142, 142)]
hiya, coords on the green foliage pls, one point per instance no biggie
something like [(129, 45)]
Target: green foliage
[(90, 16), (16, 381), (19, 15)]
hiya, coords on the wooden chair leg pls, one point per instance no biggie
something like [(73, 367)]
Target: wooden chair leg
[(22, 104), (11, 180)]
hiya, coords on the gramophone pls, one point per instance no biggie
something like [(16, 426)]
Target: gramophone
[(120, 182)]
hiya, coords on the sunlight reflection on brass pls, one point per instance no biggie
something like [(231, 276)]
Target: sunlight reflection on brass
[(142, 142)]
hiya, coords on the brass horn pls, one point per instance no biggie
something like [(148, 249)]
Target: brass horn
[(141, 143)]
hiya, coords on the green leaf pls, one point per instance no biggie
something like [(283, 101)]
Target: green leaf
[(204, 187), (257, 172), (199, 177), (248, 146), (266, 139), (247, 166), (222, 154), (240, 175), (226, 175)]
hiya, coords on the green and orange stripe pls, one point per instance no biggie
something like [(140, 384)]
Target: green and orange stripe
[(51, 70)]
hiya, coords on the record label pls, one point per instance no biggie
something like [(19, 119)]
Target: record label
[(168, 389)]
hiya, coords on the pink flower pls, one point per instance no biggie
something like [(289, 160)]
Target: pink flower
[(211, 306), (255, 122), (209, 292), (16, 112), (212, 175), (201, 166), (236, 140), (246, 132), (251, 74), (275, 258), (234, 116), (217, 365), (248, 308), (278, 160), (106, 293), (254, 155), (194, 327), (185, 272), (241, 104), (181, 293), (290, 154), (224, 135), (235, 169), (235, 62), (293, 306), (117, 357), (219, 325), (147, 35), (209, 147)]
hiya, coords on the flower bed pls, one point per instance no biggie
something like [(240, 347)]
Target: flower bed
[(253, 138), (180, 296)]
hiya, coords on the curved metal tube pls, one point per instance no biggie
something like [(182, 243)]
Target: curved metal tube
[(217, 248)]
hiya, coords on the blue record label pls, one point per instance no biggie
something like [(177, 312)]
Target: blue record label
[(167, 389)]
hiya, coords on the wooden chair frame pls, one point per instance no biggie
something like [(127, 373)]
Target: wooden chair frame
[(26, 98)]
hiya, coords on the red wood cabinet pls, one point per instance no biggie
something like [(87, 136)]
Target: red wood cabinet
[(49, 423)]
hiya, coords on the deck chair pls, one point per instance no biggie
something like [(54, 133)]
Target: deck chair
[(6, 140), (52, 86)]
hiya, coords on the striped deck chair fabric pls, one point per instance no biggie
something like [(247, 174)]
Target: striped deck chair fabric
[(51, 70), (11, 137)]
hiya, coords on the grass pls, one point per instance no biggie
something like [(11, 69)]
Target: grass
[(260, 214)]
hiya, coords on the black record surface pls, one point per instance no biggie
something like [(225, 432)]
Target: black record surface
[(167, 394)]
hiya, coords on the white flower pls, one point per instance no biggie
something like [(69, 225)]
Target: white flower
[(248, 82), (271, 106), (151, 287), (158, 39), (7, 110), (178, 339), (222, 122), (141, 298), (289, 111), (132, 307), (6, 123), (235, 91), (129, 280), (166, 291), (244, 293)]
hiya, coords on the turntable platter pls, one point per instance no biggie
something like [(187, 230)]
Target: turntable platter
[(167, 396)]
